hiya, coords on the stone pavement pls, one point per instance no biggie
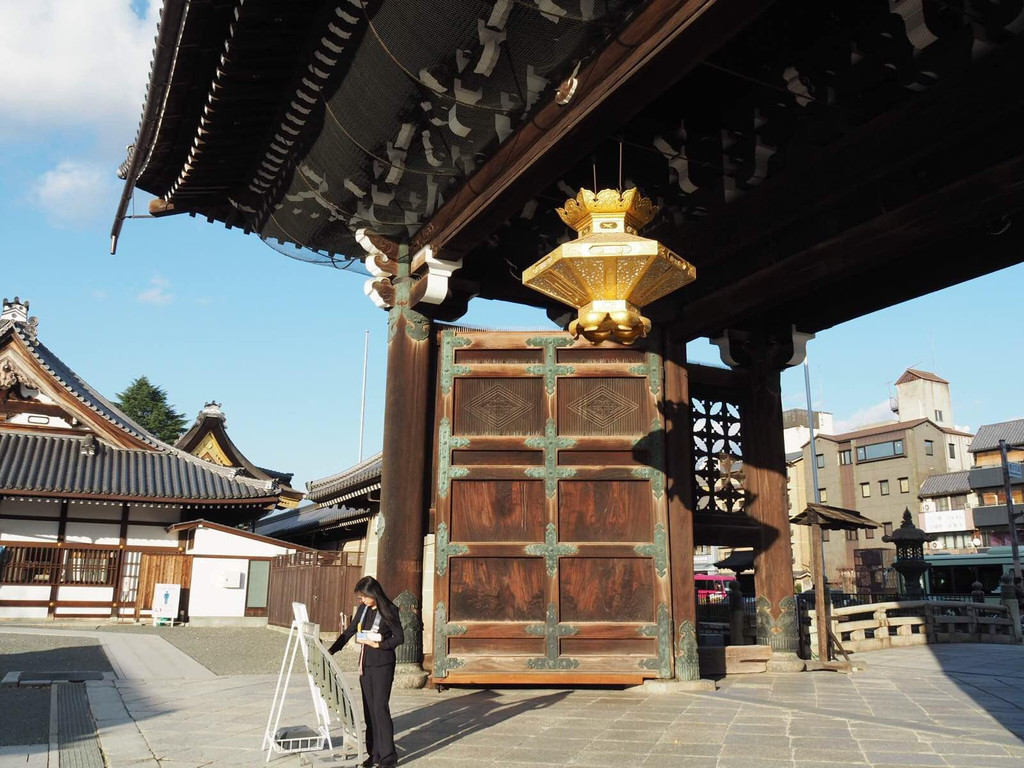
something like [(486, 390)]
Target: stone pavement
[(960, 705), (946, 706)]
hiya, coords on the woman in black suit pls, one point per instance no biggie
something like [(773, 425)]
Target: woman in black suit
[(378, 631)]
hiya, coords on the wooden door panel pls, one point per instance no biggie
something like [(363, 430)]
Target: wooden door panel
[(606, 589), (498, 510), (497, 589), (603, 406), (499, 407), (605, 510)]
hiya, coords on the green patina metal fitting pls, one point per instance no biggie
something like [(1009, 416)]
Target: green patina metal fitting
[(444, 549), (687, 658), (445, 444), (551, 550), (551, 630), (550, 443), (449, 370), (411, 651), (663, 632), (782, 633), (442, 631), (658, 550), (652, 370), (550, 370)]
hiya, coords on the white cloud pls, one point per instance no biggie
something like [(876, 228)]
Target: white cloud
[(99, 294), (73, 192), (872, 414), (71, 63), (157, 293)]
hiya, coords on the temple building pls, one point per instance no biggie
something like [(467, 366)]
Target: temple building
[(91, 502), (208, 439), (648, 172)]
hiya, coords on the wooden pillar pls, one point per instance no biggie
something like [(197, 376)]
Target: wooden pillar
[(404, 472), (764, 463), (820, 593), (58, 572), (679, 464)]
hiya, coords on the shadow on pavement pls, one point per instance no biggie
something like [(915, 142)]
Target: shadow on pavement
[(436, 726)]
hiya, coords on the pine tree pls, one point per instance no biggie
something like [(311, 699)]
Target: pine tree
[(148, 406)]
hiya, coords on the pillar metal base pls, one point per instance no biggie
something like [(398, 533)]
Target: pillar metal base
[(785, 662), (409, 677)]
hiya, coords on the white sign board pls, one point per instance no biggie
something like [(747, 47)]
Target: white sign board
[(946, 521), (1016, 470), (165, 601)]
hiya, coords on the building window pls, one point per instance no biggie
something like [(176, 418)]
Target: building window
[(958, 502), (887, 528), (929, 448), (883, 487), (865, 490), (846, 457), (851, 535), (823, 495), (880, 450), (820, 458), (938, 415), (952, 450), (869, 533), (824, 534), (904, 485)]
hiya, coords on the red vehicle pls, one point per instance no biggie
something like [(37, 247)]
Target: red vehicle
[(712, 586)]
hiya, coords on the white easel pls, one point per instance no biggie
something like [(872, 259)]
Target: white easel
[(292, 739)]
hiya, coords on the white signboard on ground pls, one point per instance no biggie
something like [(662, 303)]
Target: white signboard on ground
[(165, 601)]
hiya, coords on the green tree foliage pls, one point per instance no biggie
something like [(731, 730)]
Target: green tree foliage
[(147, 405)]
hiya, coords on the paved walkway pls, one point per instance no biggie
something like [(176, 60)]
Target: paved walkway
[(928, 706), (133, 657)]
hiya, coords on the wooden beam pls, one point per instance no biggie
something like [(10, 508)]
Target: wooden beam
[(913, 177), (665, 40)]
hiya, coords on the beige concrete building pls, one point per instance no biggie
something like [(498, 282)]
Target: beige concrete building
[(880, 471)]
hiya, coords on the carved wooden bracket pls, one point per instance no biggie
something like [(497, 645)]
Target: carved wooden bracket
[(428, 273)]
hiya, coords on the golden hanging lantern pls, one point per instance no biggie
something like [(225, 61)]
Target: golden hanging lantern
[(609, 272)]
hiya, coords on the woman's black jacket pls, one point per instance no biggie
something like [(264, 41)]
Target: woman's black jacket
[(391, 634)]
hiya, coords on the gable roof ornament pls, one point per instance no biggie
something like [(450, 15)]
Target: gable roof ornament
[(16, 313)]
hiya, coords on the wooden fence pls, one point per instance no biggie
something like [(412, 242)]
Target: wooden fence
[(917, 622), (324, 581)]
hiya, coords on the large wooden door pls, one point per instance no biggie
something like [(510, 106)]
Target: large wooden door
[(551, 555)]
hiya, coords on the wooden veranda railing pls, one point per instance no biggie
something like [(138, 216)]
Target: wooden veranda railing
[(67, 566)]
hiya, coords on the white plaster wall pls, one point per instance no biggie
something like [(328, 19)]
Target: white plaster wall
[(98, 611), (12, 612), (96, 509), (86, 594), (151, 536), (209, 541), (93, 533), (24, 592), (207, 597), (29, 530), (33, 508), (370, 568), (155, 514)]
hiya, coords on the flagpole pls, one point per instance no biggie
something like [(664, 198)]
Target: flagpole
[(362, 401)]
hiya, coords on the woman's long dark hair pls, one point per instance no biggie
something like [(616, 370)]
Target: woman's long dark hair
[(370, 587)]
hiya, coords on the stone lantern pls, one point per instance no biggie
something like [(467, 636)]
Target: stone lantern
[(910, 541)]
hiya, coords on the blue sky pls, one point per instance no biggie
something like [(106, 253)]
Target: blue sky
[(212, 314)]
